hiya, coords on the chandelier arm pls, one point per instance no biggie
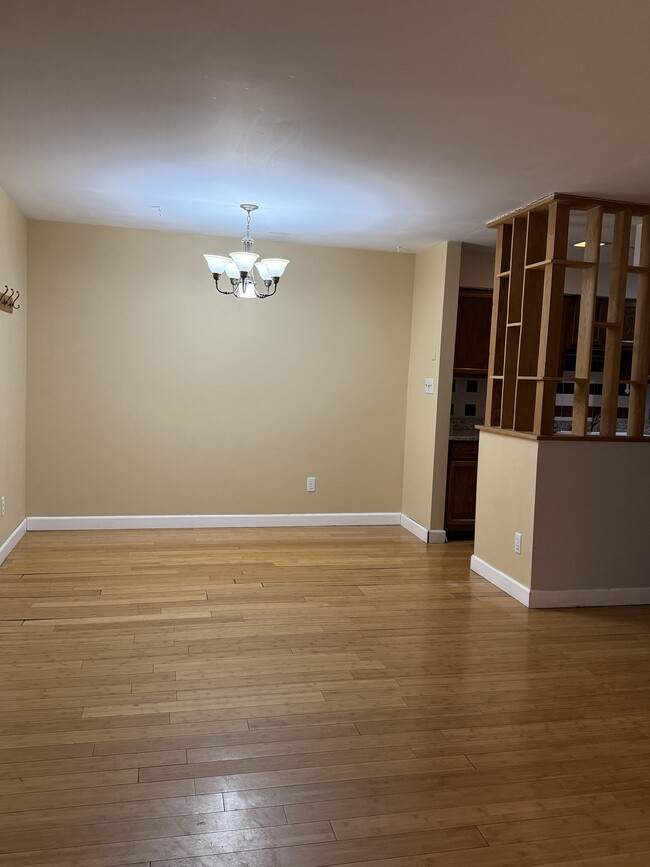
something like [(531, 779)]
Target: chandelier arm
[(267, 294), (221, 291)]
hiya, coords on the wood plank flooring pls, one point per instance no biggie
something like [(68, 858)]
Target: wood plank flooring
[(310, 697)]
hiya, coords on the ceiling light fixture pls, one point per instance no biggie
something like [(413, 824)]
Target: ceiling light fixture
[(584, 244), (239, 267)]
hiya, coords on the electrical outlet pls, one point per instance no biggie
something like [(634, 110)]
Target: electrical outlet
[(517, 543), (311, 483), (3, 506)]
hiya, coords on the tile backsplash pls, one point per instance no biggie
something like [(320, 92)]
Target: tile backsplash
[(467, 407), (464, 428), (468, 398)]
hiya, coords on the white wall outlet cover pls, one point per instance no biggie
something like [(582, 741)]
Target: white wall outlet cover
[(517, 543), (311, 483), (428, 386)]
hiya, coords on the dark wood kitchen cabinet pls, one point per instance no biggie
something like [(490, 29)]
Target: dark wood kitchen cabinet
[(572, 318), (473, 324), (461, 485)]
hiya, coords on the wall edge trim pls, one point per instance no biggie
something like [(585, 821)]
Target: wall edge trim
[(161, 522), (504, 582), (14, 538), (437, 537)]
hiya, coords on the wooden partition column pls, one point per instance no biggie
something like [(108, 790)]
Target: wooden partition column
[(527, 338), (641, 350), (588, 292)]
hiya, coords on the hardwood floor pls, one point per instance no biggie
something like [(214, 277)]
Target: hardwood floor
[(310, 697)]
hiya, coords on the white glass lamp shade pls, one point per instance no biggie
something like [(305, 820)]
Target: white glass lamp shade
[(217, 264), (263, 271), (275, 267), (232, 270), (246, 289), (244, 261)]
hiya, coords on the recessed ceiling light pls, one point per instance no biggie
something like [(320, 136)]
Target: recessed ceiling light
[(584, 244)]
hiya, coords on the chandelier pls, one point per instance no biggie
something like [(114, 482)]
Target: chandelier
[(239, 267)]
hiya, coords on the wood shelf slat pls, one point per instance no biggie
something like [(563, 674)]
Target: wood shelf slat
[(582, 203), (552, 379), (565, 263)]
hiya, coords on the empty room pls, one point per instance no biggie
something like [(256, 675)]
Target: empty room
[(325, 425)]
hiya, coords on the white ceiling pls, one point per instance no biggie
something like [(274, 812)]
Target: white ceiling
[(364, 123)]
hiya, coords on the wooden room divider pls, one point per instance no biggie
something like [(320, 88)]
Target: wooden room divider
[(529, 317)]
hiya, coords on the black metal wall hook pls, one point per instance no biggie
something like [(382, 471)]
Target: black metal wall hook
[(8, 300)]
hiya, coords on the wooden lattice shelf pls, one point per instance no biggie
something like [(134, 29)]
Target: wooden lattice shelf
[(526, 343)]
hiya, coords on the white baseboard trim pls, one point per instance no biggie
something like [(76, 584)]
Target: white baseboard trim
[(7, 547), (163, 522), (413, 527), (432, 537), (501, 580), (588, 598), (591, 598)]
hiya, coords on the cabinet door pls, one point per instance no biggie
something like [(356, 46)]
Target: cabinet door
[(473, 331), (461, 495), (628, 321)]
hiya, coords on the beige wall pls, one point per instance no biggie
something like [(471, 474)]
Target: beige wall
[(592, 521), (13, 347), (505, 503), (433, 328), (151, 394), (477, 266)]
